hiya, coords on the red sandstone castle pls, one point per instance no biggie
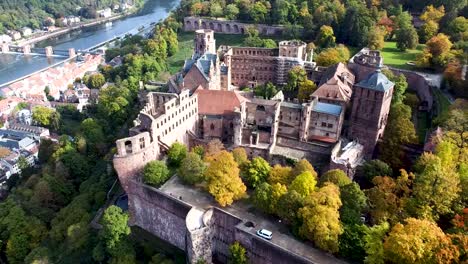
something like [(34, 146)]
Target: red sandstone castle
[(338, 127)]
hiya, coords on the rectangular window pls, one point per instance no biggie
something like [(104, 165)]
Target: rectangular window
[(324, 124)]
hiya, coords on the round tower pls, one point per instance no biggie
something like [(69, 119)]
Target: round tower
[(204, 42)]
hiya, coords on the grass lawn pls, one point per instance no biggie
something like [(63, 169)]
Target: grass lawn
[(395, 58), (176, 61), (422, 126)]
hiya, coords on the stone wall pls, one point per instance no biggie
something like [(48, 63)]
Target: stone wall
[(229, 26), (224, 228), (158, 213)]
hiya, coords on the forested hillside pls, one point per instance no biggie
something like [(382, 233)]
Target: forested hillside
[(15, 14)]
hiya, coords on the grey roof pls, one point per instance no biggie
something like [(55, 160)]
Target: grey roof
[(376, 81), (203, 63), (291, 105), (327, 108)]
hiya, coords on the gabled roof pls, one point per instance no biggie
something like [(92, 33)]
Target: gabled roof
[(336, 83), (376, 81), (217, 102), (203, 63)]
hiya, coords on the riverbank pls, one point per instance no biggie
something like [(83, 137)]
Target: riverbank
[(62, 31)]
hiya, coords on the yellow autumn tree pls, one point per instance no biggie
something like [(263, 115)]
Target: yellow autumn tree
[(223, 180)]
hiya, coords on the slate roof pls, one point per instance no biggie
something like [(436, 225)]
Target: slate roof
[(336, 83), (327, 108), (376, 81), (203, 63)]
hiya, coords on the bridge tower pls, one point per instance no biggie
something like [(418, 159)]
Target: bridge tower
[(5, 48), (26, 49), (71, 53)]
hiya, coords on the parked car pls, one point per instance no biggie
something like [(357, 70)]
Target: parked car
[(265, 234)]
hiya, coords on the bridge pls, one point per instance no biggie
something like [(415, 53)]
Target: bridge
[(47, 51)]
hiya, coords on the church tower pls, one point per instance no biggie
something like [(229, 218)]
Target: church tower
[(204, 42), (370, 107)]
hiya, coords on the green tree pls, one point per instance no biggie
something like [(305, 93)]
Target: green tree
[(320, 218), (304, 184), (369, 170), (237, 254), (296, 76), (376, 38), (399, 90), (354, 202), (269, 44), (231, 11), (457, 28), (419, 241), (435, 188), (306, 89), (326, 37), (267, 197), (223, 181), (428, 30), (258, 12), (356, 25), (373, 243), (192, 168), (288, 208), (267, 90), (96, 81), (155, 173), (257, 171), (398, 132), (45, 116), (337, 177), (351, 242), (176, 153), (436, 53), (114, 226), (216, 10), (406, 35)]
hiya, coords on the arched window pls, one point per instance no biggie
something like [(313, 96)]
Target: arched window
[(212, 127), (260, 108)]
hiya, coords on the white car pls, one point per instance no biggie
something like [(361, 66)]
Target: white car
[(265, 234)]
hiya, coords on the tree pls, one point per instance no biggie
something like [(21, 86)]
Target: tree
[(176, 153), (356, 25), (267, 90), (304, 184), (240, 155), (231, 11), (296, 76), (399, 90), (351, 242), (406, 35), (213, 147), (431, 13), (267, 197), (435, 188), (96, 81), (306, 89), (269, 44), (332, 56), (320, 218), (337, 177), (280, 174), (376, 38), (45, 116), (387, 199), (216, 10), (258, 12), (288, 208), (436, 53), (370, 169), (428, 30), (457, 28), (373, 243), (419, 241), (192, 168), (155, 173), (302, 166), (398, 132), (237, 254), (257, 171), (223, 181), (354, 202), (114, 226), (325, 38)]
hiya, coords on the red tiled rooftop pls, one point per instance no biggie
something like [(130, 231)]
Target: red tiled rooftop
[(216, 102), (323, 139)]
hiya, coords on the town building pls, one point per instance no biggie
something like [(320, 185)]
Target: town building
[(26, 31), (4, 38)]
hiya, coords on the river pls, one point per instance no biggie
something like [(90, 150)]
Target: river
[(14, 66)]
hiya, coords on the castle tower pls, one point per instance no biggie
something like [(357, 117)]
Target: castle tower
[(293, 49), (370, 107), (204, 42)]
